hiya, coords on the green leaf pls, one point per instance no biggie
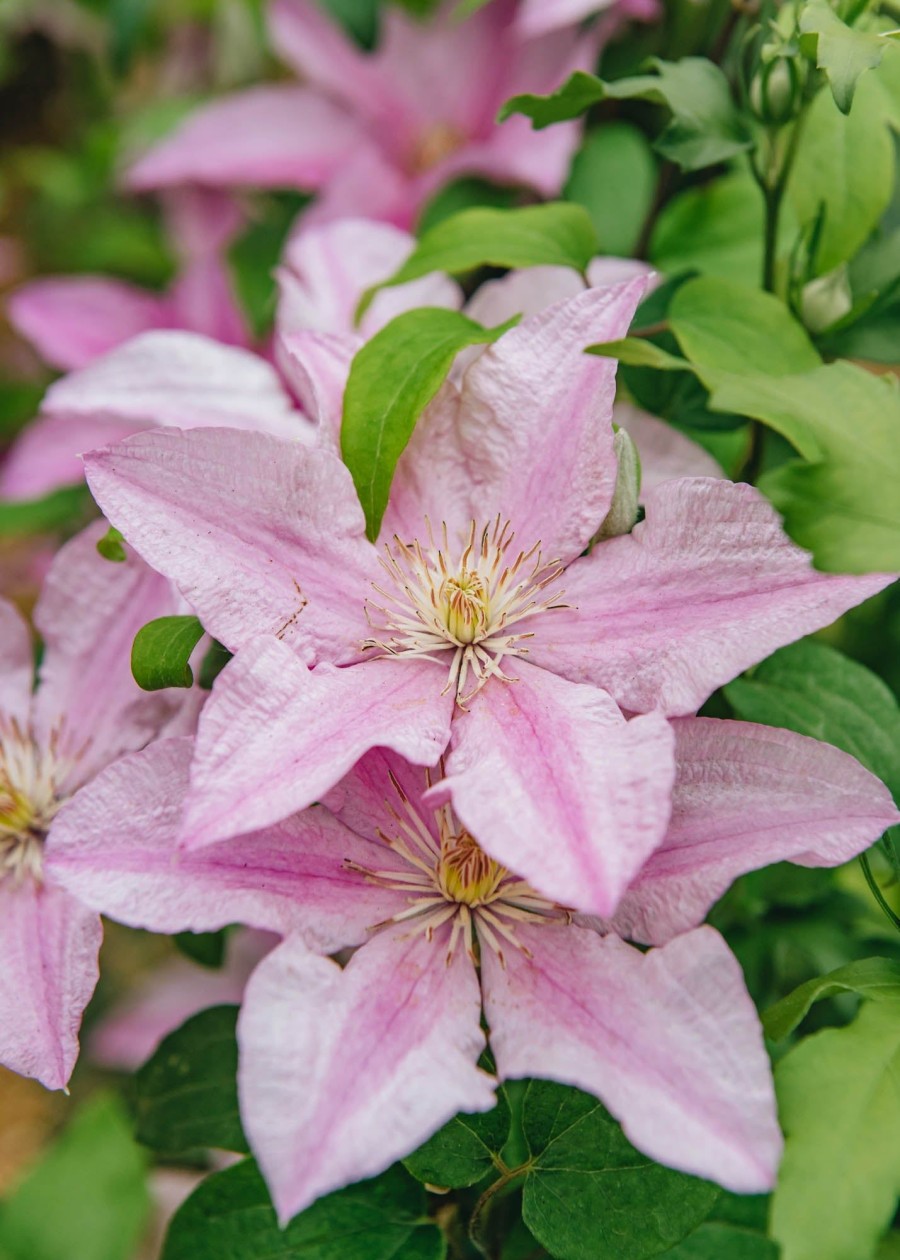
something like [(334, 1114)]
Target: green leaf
[(392, 380), (205, 948), (110, 546), (215, 660), (839, 1103), (640, 352), (556, 234), (186, 1092), (715, 228), (815, 690), (87, 1198), (161, 651), (846, 164), (589, 1195), (843, 53), (230, 1215), (871, 977), (717, 1240), (613, 176), (66, 508), (705, 127), (843, 507), (465, 1150)]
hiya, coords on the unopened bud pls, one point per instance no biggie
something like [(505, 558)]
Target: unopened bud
[(826, 299), (623, 513), (774, 93)]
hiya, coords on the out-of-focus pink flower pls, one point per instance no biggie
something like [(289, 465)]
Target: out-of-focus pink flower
[(379, 133), (538, 17), (343, 1071), (479, 619), (71, 320), (86, 711)]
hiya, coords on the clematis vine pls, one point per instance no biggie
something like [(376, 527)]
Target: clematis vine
[(344, 1070), (478, 619), (86, 711), (379, 133)]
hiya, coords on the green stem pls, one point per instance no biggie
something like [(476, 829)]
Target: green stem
[(478, 1220), (876, 891)]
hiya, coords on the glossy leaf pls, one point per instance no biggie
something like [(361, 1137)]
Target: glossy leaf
[(875, 978), (230, 1215), (589, 1195), (839, 1105), (161, 651), (392, 380), (706, 126), (186, 1093)]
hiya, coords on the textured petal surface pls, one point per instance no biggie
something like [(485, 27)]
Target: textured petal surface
[(316, 366), (88, 614), (343, 1072), (275, 735), (555, 784), (670, 1042), (261, 535), (16, 664), (706, 586), (71, 320), (49, 944), (47, 454), (264, 137), (182, 379), (530, 436), (289, 877), (666, 454), (746, 796)]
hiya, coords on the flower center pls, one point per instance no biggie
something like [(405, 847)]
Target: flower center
[(438, 142), (472, 605), (28, 801), (448, 878)]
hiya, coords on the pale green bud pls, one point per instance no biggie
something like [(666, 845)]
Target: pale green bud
[(623, 513), (826, 299)]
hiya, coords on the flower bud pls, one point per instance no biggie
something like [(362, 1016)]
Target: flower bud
[(623, 513), (826, 299), (774, 92)]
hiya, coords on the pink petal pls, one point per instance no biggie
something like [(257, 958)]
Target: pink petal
[(537, 17), (260, 534), (275, 736), (364, 798), (666, 454), (746, 796), (204, 301), (182, 379), (47, 454), (531, 438), (608, 269), (370, 184), (326, 270), (343, 1072), (316, 366), (16, 665), (542, 758), (706, 586), (49, 944), (670, 1042), (277, 136), (88, 613), (526, 292), (71, 320), (291, 876)]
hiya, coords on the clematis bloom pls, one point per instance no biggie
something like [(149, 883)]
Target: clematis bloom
[(343, 1071), (379, 133), (478, 620), (86, 711)]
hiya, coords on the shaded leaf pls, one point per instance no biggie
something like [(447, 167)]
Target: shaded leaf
[(870, 977), (205, 948), (465, 1150), (613, 176)]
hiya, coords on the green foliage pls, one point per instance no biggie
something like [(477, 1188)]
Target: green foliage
[(715, 228), (557, 234), (705, 127), (63, 510), (842, 52), (231, 1215), (161, 651), (876, 978), (613, 176), (110, 546), (215, 660), (186, 1092), (734, 1230), (205, 948), (839, 1104), (392, 380), (589, 1195), (465, 1150), (87, 1198)]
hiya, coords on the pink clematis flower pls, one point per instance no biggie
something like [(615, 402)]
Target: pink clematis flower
[(478, 620), (86, 711), (189, 380), (343, 1071), (538, 17), (72, 320), (380, 133)]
